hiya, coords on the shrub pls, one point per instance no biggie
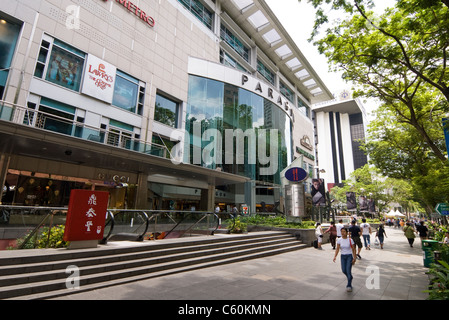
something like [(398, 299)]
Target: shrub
[(43, 240), (439, 287), (239, 226), (277, 221)]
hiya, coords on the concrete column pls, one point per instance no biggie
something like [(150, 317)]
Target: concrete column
[(250, 195), (142, 192), (207, 202), (4, 166)]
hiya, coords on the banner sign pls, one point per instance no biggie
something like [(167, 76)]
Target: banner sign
[(86, 215), (99, 79)]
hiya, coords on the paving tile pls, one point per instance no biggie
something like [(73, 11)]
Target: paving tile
[(306, 274)]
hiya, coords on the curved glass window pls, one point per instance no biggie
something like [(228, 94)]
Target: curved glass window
[(236, 130)]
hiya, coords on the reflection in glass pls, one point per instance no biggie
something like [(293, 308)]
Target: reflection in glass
[(240, 113)]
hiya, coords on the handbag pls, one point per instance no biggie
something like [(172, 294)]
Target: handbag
[(376, 242)]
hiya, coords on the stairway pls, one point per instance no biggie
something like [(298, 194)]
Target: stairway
[(42, 273)]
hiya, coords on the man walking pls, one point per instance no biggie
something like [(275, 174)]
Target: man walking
[(356, 233), (366, 233)]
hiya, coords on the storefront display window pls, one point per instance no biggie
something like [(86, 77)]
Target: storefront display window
[(65, 66)]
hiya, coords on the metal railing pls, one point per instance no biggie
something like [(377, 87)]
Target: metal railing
[(68, 124), (139, 225), (27, 222)]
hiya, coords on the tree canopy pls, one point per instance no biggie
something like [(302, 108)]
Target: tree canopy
[(400, 58)]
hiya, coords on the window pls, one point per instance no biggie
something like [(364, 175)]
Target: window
[(166, 111), (303, 108), (129, 93), (60, 64), (265, 72), (52, 115), (228, 61), (228, 37), (120, 134), (161, 146), (9, 33), (199, 11), (287, 92)]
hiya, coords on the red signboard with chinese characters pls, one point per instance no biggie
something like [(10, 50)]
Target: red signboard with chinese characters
[(86, 215)]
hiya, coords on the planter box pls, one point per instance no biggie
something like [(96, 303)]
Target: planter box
[(307, 236)]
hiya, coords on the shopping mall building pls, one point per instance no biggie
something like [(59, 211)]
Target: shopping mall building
[(166, 104)]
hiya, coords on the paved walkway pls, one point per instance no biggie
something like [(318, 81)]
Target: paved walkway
[(307, 274)]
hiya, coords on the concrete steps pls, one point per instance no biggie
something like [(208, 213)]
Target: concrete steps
[(43, 274)]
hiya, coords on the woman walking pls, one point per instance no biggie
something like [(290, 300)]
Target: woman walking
[(409, 232), (380, 234), (348, 256)]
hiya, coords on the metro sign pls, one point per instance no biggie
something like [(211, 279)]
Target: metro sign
[(137, 11)]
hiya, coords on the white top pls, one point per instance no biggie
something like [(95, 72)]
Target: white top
[(345, 245), (365, 228), (339, 227), (318, 231)]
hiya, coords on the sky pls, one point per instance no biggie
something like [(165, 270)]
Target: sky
[(298, 19)]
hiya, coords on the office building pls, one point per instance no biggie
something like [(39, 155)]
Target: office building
[(141, 98)]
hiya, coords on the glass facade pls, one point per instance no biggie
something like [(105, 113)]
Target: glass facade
[(228, 37), (241, 132), (357, 135), (9, 33), (199, 11), (166, 111), (126, 91)]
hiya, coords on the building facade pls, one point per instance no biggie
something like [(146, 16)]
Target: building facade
[(340, 129), (167, 104)]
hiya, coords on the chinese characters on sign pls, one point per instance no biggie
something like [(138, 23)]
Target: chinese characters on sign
[(86, 215)]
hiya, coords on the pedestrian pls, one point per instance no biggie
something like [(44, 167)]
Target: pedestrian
[(422, 230), (355, 233), (366, 233), (235, 211), (339, 226), (348, 256), (319, 235), (446, 238), (409, 232), (380, 235), (332, 234)]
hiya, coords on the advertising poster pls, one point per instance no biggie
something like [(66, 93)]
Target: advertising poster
[(99, 79), (318, 193), (351, 203)]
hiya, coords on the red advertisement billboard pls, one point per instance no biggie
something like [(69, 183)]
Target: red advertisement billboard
[(86, 215)]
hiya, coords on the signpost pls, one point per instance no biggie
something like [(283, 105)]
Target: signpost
[(443, 209), (86, 218)]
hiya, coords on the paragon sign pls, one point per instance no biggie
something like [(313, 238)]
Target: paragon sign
[(137, 11)]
